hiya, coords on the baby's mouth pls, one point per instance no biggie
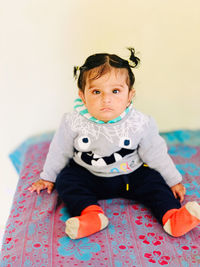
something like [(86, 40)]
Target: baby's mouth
[(106, 109)]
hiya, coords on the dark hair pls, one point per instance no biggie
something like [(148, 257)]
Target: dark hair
[(103, 62)]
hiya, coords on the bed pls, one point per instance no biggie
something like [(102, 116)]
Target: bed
[(34, 234)]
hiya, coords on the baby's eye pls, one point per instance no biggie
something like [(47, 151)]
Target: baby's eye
[(115, 91), (96, 92)]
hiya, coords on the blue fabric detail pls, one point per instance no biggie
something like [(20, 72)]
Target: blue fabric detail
[(78, 100), (83, 112), (82, 249), (126, 142), (188, 137), (17, 155), (77, 106), (97, 121), (115, 120)]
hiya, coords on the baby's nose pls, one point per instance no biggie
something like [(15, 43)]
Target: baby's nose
[(106, 98)]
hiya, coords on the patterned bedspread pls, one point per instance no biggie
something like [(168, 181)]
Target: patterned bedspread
[(35, 235)]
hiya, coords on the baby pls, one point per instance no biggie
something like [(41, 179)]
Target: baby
[(107, 149)]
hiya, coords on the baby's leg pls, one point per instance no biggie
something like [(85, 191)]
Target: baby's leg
[(76, 187), (91, 220), (178, 222), (152, 191)]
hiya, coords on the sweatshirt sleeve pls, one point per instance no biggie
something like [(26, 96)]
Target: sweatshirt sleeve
[(60, 151), (153, 151)]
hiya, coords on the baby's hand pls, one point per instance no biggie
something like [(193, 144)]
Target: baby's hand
[(179, 191), (41, 185)]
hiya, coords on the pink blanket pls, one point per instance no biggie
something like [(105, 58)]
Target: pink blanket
[(35, 229)]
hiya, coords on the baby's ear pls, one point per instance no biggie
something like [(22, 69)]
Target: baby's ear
[(131, 95), (81, 95)]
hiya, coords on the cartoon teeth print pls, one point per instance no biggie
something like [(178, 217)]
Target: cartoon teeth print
[(98, 161)]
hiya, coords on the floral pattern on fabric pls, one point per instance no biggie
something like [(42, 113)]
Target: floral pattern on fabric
[(35, 234)]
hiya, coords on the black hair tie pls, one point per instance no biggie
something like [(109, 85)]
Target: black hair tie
[(133, 60), (76, 69)]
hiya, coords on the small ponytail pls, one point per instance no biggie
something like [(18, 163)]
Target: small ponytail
[(133, 60), (76, 69)]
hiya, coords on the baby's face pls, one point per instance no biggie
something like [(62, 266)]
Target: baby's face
[(108, 96)]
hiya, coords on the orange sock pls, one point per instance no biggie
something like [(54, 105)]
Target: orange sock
[(91, 220), (178, 222)]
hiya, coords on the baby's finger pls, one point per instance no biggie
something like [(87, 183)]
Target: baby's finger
[(31, 189), (175, 195), (50, 188), (39, 189), (184, 190), (181, 197)]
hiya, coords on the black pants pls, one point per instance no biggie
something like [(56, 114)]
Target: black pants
[(79, 188)]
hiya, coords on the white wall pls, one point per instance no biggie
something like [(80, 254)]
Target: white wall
[(41, 40)]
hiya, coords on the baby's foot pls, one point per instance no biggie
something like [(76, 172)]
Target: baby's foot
[(178, 222), (90, 221)]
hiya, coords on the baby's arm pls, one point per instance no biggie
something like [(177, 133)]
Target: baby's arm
[(60, 151), (179, 191), (154, 152), (41, 185)]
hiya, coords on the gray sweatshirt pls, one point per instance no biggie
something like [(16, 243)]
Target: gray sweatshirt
[(109, 149)]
